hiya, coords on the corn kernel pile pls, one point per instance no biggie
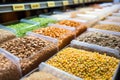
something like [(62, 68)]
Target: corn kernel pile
[(52, 32), (85, 64), (110, 27)]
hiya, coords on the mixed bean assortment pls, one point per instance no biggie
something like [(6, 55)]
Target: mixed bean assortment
[(63, 35), (41, 76), (8, 70), (85, 64), (110, 27), (5, 35), (22, 28), (29, 49), (79, 26), (101, 39)]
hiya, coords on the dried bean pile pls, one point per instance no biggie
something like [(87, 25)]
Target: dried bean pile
[(101, 39), (5, 35), (41, 76), (79, 26), (29, 47), (8, 70), (85, 64), (110, 27)]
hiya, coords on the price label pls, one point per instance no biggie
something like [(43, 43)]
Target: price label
[(81, 1), (18, 7), (75, 1), (35, 5), (51, 4), (65, 3)]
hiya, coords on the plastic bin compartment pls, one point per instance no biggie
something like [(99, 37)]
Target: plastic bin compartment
[(101, 39), (116, 14), (41, 20), (108, 22), (19, 27), (89, 20), (64, 36), (46, 72), (107, 26), (113, 19), (9, 68), (79, 27), (30, 50), (84, 63), (6, 35)]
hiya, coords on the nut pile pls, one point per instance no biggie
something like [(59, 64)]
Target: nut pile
[(110, 27), (30, 50), (79, 26), (101, 39), (85, 64), (5, 35), (8, 70), (64, 36), (41, 76)]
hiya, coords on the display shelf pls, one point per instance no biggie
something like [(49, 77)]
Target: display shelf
[(36, 5)]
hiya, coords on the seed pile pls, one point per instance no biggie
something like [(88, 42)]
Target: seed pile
[(110, 27), (41, 76), (84, 64), (5, 35), (101, 39), (8, 70)]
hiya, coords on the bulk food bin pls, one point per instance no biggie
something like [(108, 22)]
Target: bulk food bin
[(42, 21), (89, 20), (113, 19), (86, 64), (63, 35), (68, 23), (30, 51), (9, 68), (47, 72), (19, 27), (108, 27), (116, 14), (6, 35), (98, 39)]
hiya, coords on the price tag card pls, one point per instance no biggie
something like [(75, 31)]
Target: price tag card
[(18, 7), (65, 3), (81, 1), (35, 5), (75, 1), (51, 4)]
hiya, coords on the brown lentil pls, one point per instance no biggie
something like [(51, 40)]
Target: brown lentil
[(30, 50), (8, 70), (84, 64), (5, 35), (101, 39), (110, 27)]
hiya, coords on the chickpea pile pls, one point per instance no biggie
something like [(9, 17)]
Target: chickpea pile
[(5, 35), (64, 36), (110, 27), (85, 64), (79, 26), (8, 70)]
